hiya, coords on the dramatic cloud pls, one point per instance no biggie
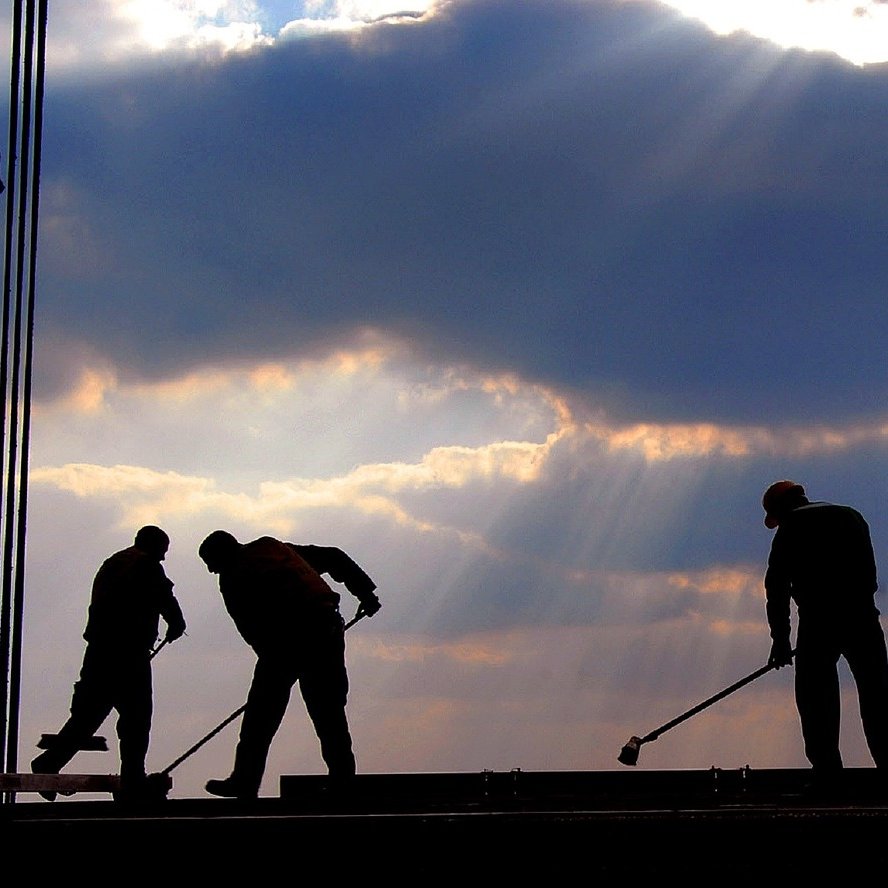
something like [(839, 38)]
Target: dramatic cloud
[(523, 188), (87, 38)]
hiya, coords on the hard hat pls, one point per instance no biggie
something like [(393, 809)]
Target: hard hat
[(775, 499)]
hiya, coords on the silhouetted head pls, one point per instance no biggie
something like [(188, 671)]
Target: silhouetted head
[(780, 499), (218, 550), (152, 541)]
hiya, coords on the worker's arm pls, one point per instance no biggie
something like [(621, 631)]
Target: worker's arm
[(341, 568), (868, 558), (172, 614), (778, 587)]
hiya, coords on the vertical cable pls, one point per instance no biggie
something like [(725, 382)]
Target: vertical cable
[(12, 444), (19, 288), (12, 156), (15, 679)]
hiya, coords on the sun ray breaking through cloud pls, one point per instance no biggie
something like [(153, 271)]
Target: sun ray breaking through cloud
[(856, 30)]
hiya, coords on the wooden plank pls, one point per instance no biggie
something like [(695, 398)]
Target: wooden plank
[(66, 783)]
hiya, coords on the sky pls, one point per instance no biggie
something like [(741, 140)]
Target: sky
[(523, 305)]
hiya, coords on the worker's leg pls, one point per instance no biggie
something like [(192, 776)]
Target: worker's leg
[(324, 687), (134, 704), (273, 679), (867, 658), (91, 704), (817, 698)]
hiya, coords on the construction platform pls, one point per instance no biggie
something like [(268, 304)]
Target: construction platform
[(693, 825)]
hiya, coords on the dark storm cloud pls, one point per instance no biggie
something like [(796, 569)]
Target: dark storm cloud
[(595, 194)]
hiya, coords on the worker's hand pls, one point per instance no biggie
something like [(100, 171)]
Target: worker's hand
[(370, 605), (174, 632), (781, 654)]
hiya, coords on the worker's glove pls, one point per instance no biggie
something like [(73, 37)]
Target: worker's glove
[(781, 653), (370, 605), (174, 632)]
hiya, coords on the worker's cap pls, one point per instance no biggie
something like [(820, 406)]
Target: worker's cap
[(776, 498)]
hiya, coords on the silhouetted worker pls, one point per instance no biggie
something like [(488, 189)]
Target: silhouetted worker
[(288, 614), (130, 593), (822, 559)]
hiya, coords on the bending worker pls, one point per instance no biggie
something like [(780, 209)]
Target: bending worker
[(822, 559), (290, 617)]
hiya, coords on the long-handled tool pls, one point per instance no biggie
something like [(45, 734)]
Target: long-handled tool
[(629, 753), (239, 711), (361, 613), (155, 651), (205, 739), (96, 743)]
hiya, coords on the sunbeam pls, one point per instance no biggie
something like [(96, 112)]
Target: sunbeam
[(856, 30)]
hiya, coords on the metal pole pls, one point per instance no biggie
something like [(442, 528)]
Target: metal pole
[(18, 602), (12, 156), (10, 523), (19, 286)]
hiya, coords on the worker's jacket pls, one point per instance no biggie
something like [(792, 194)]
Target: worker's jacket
[(333, 561), (276, 596), (130, 593), (821, 558)]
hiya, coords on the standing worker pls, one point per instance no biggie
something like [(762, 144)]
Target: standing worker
[(822, 559), (290, 617), (130, 593)]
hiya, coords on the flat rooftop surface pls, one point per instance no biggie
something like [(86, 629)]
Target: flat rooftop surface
[(462, 826)]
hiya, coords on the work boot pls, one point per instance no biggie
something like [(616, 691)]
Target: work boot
[(232, 788), (143, 788), (42, 764), (340, 784)]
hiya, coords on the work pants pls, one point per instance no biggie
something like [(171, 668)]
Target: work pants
[(819, 646), (109, 680), (316, 659)]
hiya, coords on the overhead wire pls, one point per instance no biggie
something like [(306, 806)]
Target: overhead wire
[(26, 100), (18, 601)]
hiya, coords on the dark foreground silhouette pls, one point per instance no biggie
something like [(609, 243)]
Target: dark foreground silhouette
[(130, 594), (822, 560), (290, 616)]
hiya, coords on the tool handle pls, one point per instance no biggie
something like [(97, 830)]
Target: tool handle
[(203, 740), (161, 646), (358, 616), (713, 699)]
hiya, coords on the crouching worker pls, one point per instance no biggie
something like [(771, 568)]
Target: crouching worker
[(290, 617), (130, 594)]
